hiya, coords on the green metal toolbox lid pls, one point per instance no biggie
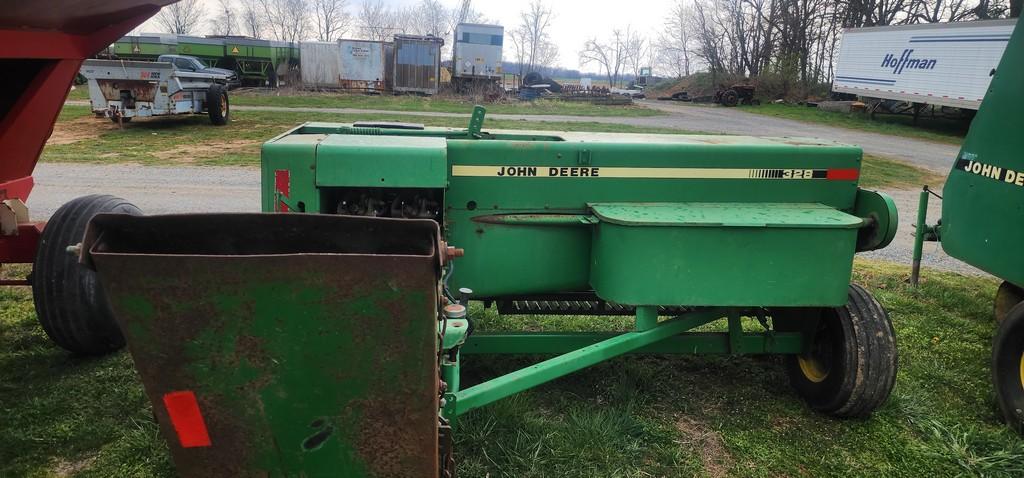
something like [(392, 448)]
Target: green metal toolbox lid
[(788, 215)]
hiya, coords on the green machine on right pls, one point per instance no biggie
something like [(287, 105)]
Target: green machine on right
[(983, 218)]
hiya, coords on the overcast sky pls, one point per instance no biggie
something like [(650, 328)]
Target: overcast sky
[(575, 21)]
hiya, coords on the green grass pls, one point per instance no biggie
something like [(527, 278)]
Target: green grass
[(191, 140), (80, 93), (441, 105), (630, 417), (938, 130)]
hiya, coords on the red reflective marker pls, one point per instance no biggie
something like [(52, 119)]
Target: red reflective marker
[(183, 409)]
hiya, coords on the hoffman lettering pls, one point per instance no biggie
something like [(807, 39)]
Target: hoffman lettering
[(905, 61)]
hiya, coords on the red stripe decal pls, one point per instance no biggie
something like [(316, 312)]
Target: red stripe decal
[(282, 184), (843, 174), (183, 409)]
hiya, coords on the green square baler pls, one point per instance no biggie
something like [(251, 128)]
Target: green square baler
[(295, 342)]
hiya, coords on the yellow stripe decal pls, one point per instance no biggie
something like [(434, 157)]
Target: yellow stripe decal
[(619, 172)]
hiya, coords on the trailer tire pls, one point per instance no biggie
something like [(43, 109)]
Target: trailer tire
[(69, 302), (217, 105), (849, 368), (1008, 367)]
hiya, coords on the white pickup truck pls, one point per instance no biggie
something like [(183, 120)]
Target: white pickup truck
[(177, 84)]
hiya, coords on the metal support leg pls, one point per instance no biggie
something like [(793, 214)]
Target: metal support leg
[(735, 332), (646, 317), (919, 235)]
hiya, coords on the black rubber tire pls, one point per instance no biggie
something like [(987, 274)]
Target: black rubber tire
[(125, 119), (730, 98), (1008, 367), (217, 105), (1007, 297), (69, 302), (856, 346)]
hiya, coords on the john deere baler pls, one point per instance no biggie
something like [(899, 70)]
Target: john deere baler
[(304, 327)]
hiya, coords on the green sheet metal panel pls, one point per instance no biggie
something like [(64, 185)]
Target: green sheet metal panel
[(725, 254), (983, 205), (306, 343), (289, 169), (398, 162), (486, 180), (210, 50)]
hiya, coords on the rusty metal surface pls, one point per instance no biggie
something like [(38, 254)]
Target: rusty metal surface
[(140, 90), (309, 341)]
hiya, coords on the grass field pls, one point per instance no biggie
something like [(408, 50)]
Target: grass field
[(443, 105), (939, 130), (79, 137), (629, 417)]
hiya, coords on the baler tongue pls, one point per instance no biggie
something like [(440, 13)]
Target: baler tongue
[(281, 345)]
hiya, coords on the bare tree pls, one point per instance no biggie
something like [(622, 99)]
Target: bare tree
[(181, 18), (375, 20), (610, 55), (251, 18), (534, 32), (636, 47), (331, 18), (223, 23), (286, 20), (675, 44)]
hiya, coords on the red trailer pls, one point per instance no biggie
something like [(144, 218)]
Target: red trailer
[(42, 45)]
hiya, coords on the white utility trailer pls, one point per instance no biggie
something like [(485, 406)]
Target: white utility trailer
[(122, 90), (942, 64)]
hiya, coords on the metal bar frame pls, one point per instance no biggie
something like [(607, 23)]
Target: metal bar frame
[(577, 351)]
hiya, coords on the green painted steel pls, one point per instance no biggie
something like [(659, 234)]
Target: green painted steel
[(484, 343), (401, 162), (308, 341), (983, 205), (519, 204), (210, 50), (143, 47), (727, 254), (534, 375)]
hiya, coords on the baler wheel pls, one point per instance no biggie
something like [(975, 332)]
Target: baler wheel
[(69, 303), (1008, 367), (850, 366), (217, 105), (1007, 296)]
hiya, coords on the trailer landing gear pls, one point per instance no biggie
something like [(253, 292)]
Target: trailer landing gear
[(71, 307), (849, 366), (1008, 367)]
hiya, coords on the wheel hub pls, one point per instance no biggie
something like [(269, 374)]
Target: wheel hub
[(814, 369)]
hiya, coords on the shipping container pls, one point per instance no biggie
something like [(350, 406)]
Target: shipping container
[(944, 64), (417, 64), (477, 51), (321, 64), (363, 65)]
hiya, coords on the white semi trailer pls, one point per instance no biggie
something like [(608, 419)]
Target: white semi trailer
[(477, 54), (942, 64)]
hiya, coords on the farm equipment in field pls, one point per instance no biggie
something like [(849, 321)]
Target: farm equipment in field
[(741, 94), (176, 84), (327, 334), (983, 219)]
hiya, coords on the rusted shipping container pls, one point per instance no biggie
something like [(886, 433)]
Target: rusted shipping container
[(363, 65), (417, 64)]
